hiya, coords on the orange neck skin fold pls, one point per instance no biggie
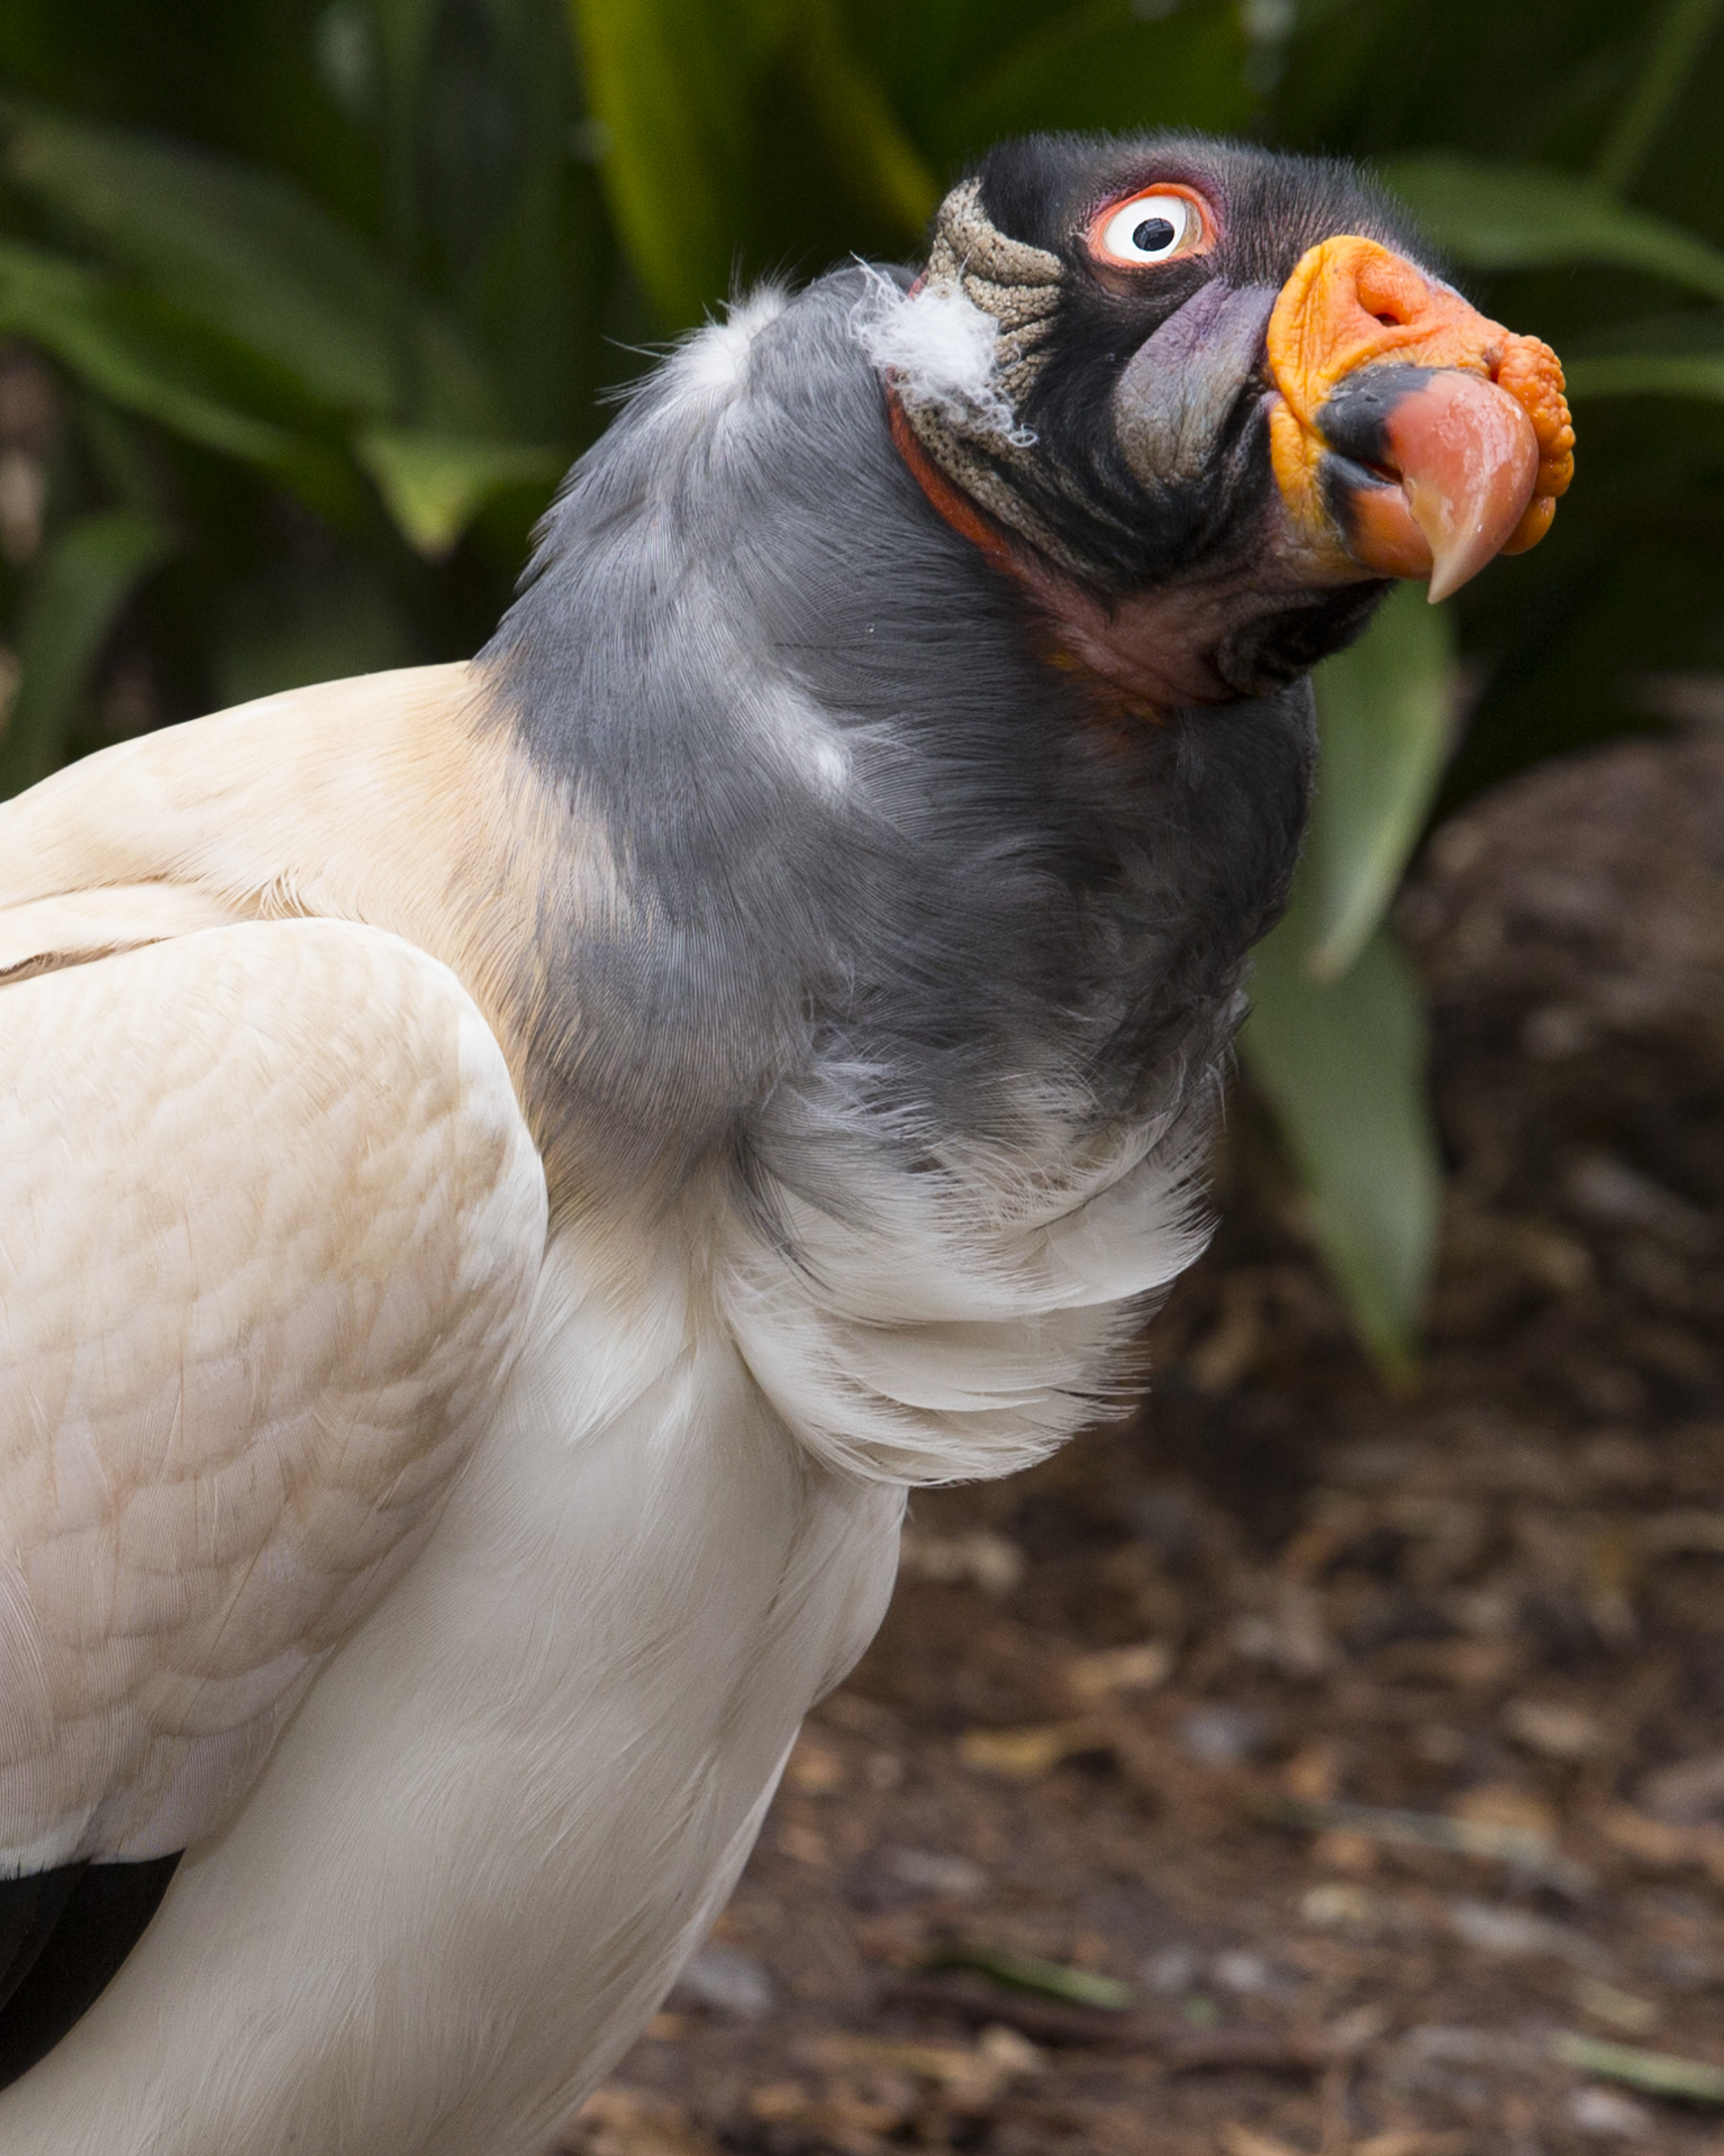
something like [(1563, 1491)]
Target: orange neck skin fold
[(956, 509)]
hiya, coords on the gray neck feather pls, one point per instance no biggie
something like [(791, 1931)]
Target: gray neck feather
[(867, 842)]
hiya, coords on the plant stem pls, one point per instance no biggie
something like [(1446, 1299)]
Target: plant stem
[(1678, 43)]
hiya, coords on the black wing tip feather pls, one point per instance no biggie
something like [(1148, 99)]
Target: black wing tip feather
[(64, 1934)]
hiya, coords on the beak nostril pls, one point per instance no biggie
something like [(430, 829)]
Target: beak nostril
[(1390, 292)]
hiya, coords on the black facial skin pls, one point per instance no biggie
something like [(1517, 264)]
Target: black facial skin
[(1132, 535)]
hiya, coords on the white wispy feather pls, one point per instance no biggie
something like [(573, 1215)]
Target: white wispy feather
[(941, 352)]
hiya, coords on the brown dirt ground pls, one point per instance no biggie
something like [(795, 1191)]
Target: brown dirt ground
[(1106, 1687)]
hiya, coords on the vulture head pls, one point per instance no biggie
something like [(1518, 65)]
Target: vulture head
[(1206, 401), (928, 644)]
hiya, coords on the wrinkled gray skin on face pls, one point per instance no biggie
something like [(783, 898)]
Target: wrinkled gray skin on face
[(871, 847), (1179, 390)]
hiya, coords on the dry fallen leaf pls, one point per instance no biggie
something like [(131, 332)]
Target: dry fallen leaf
[(979, 1559), (1411, 2141), (1505, 1804), (968, 2073), (1313, 1774), (814, 1769), (1616, 2008), (1239, 2140), (1653, 1841), (1466, 1665), (1661, 1847), (1683, 1533), (1025, 1756), (839, 2119), (1140, 1668), (1553, 1728), (619, 2121), (803, 1844), (1356, 1854), (774, 2103), (1339, 1903), (1687, 1792)]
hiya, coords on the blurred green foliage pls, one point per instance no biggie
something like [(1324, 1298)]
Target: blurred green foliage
[(307, 303)]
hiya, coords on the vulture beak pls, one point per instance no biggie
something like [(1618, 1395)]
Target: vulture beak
[(1409, 435)]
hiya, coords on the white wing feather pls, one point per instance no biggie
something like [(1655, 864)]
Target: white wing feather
[(269, 1219)]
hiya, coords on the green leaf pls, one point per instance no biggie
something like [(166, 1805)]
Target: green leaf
[(1682, 331), (1665, 75), (1339, 55), (79, 589), (876, 157), (1385, 720), (750, 132), (293, 622), (131, 349), (404, 30), (125, 350), (1660, 2073), (1343, 1064), (243, 251), (1029, 1972), (669, 80), (433, 486), (1647, 374), (1104, 64), (1520, 217), (120, 450), (1662, 355)]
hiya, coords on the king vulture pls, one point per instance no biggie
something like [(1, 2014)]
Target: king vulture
[(510, 1170)]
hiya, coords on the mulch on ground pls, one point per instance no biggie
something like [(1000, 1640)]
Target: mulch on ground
[(1307, 1769)]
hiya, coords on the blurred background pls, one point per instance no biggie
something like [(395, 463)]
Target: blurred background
[(304, 307)]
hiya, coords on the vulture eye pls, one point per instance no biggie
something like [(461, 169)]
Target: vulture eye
[(1157, 225)]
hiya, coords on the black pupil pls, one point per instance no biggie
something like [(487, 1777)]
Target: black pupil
[(1152, 234)]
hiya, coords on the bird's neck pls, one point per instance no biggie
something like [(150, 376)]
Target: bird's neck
[(861, 825), (1137, 658)]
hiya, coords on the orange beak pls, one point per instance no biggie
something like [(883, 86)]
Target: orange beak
[(1411, 437)]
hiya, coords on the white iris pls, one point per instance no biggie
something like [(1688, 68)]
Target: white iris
[(1148, 229)]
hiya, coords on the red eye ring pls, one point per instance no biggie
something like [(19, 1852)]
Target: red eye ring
[(1191, 228)]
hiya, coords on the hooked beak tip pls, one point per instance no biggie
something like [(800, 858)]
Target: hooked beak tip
[(1467, 458)]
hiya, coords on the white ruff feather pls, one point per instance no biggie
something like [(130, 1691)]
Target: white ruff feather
[(948, 1322)]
